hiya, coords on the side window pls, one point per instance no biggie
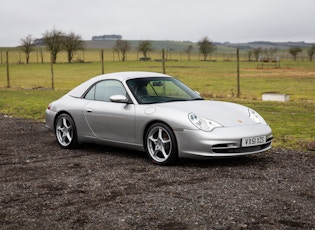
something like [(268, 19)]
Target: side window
[(91, 94), (103, 90)]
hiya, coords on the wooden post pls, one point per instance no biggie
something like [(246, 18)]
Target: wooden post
[(163, 61), (52, 73), (238, 72), (8, 73), (102, 60)]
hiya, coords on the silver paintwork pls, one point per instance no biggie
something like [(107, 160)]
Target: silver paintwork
[(123, 124)]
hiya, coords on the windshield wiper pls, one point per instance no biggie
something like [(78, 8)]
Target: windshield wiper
[(195, 99), (173, 100)]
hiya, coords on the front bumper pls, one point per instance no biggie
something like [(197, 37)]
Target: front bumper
[(222, 142)]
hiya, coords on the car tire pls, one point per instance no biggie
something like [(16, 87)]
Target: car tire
[(161, 144), (65, 131)]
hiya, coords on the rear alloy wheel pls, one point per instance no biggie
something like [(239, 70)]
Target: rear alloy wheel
[(160, 144), (65, 131)]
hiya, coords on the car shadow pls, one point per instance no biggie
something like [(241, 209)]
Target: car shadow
[(113, 151), (260, 160)]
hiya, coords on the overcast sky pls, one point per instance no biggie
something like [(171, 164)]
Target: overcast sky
[(181, 20)]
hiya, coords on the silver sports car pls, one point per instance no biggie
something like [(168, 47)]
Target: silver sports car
[(158, 114)]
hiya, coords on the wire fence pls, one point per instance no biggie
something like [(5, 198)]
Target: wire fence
[(216, 77), (43, 56)]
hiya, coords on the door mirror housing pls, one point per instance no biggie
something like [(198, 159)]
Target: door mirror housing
[(118, 99)]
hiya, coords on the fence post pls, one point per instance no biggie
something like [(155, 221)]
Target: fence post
[(102, 60), (52, 73), (8, 73), (163, 61), (238, 72)]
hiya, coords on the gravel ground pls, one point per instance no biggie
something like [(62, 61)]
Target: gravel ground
[(94, 187)]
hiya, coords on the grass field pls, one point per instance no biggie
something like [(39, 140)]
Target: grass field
[(292, 122)]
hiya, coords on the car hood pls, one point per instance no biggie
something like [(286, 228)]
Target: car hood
[(224, 113)]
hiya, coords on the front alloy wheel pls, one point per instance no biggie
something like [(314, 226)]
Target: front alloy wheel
[(65, 131), (160, 144)]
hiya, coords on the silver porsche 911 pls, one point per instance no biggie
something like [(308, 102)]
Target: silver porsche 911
[(158, 114)]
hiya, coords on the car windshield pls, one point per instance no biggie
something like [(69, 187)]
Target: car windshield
[(160, 90)]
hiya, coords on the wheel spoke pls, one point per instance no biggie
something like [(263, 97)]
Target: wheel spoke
[(63, 138), (154, 140), (164, 153), (156, 151), (166, 141), (68, 136), (64, 121), (160, 135)]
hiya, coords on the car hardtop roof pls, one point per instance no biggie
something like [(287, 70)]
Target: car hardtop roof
[(130, 75), (121, 76)]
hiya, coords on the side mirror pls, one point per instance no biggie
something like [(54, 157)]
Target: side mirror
[(118, 99)]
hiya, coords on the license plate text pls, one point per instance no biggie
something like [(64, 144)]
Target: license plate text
[(253, 141)]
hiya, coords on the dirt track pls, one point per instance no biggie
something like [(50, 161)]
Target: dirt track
[(45, 187)]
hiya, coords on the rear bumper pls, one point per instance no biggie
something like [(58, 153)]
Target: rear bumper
[(50, 119)]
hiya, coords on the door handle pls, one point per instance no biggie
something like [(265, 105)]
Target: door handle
[(89, 110)]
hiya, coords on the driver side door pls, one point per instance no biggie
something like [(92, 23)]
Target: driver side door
[(109, 120)]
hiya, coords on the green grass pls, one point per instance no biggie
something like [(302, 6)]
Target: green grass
[(292, 122), (27, 103)]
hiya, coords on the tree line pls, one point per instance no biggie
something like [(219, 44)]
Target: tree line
[(56, 41)]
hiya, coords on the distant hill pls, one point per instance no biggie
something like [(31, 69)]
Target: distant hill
[(157, 45), (268, 45), (182, 45)]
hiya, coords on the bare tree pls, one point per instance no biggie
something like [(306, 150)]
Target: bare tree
[(54, 41), (188, 51), (27, 46), (122, 47), (72, 43), (310, 52), (294, 52), (257, 52), (145, 47), (249, 54), (41, 55), (206, 47)]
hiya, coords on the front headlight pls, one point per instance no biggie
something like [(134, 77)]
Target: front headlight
[(256, 117), (202, 123)]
